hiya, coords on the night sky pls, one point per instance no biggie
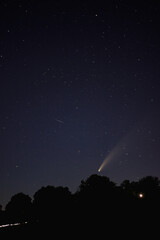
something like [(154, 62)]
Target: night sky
[(78, 80)]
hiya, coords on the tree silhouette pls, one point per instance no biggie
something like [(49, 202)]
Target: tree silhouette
[(2, 215), (95, 194), (150, 188), (98, 203), (50, 202), (96, 184), (147, 186), (129, 190), (19, 208)]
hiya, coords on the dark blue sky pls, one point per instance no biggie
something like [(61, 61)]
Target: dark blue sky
[(77, 79)]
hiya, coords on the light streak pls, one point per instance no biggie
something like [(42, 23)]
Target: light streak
[(58, 120), (11, 224)]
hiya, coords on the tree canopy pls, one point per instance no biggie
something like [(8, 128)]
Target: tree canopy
[(95, 194)]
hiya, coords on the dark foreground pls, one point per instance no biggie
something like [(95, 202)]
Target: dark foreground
[(99, 209), (131, 224)]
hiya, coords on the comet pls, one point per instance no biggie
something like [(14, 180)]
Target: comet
[(115, 152), (110, 157)]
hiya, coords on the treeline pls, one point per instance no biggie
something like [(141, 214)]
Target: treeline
[(96, 196)]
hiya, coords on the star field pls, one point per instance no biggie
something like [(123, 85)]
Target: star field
[(77, 79)]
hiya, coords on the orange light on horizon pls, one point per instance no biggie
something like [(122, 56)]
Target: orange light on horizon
[(141, 195)]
